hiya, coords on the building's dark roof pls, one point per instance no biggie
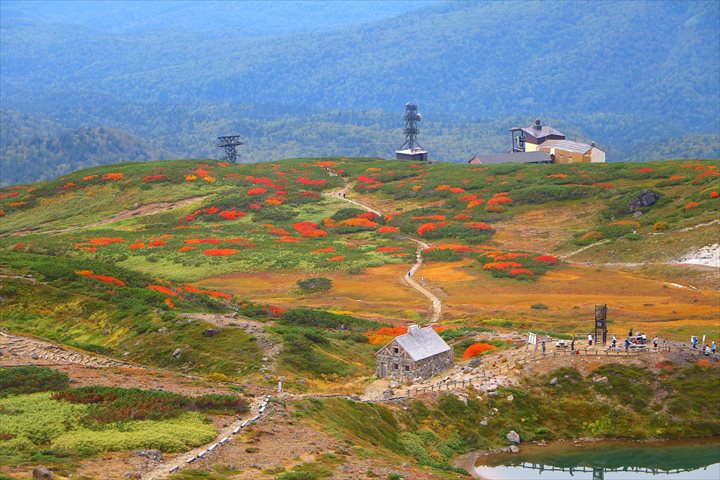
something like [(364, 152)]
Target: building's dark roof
[(422, 343), (539, 131), (517, 157)]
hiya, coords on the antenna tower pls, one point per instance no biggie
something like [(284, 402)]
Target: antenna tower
[(411, 130), (228, 143)]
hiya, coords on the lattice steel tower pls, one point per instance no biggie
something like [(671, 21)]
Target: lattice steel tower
[(411, 130), (228, 143), (414, 150)]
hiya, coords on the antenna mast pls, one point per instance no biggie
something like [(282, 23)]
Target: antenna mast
[(414, 150), (228, 143)]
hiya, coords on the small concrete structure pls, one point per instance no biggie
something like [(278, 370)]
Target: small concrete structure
[(419, 353)]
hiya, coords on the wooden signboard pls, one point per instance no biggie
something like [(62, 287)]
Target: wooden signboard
[(601, 323)]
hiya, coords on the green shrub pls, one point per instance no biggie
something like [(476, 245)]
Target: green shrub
[(27, 379), (539, 306), (315, 284)]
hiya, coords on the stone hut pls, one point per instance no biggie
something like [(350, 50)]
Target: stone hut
[(419, 353)]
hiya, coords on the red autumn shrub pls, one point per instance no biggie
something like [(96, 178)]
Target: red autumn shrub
[(231, 214), (476, 349), (114, 176), (264, 180), (305, 226), (256, 191), (69, 185), (149, 178), (136, 246), (714, 194), (220, 252), (549, 259), (163, 290), (425, 227), (308, 181), (288, 239), (399, 254), (324, 250), (11, 194), (185, 249), (457, 190), (212, 293), (500, 201), (388, 229), (461, 217), (368, 216), (365, 179), (314, 233), (478, 226), (102, 278), (157, 243), (359, 222), (338, 258), (196, 241), (169, 303), (388, 249), (102, 241), (645, 169), (691, 205), (325, 163), (521, 271)]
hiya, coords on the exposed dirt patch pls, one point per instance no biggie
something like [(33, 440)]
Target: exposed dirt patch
[(544, 229)]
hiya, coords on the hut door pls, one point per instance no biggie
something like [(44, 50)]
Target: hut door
[(383, 370)]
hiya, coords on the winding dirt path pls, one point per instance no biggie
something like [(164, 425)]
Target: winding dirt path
[(408, 278)]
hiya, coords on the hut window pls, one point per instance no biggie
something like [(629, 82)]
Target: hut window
[(407, 368), (395, 366), (396, 350)]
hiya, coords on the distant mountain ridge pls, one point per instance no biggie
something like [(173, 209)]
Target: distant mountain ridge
[(626, 75)]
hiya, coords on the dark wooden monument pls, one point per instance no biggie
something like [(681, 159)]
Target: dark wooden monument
[(600, 323)]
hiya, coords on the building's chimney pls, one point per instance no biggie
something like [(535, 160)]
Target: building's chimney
[(412, 329)]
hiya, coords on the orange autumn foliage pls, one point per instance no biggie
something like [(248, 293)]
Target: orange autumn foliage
[(113, 176), (163, 290), (388, 229), (220, 252), (102, 278), (102, 241), (476, 349)]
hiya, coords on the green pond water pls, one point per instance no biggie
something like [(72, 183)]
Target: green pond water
[(697, 460)]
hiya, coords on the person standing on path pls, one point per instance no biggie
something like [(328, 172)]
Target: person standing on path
[(714, 347), (572, 345), (543, 347), (694, 341), (655, 342), (614, 342), (627, 344), (590, 339)]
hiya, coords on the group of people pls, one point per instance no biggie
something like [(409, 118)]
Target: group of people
[(710, 348)]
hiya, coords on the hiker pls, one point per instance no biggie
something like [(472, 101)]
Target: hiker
[(694, 341), (643, 338), (543, 347), (630, 333), (590, 339), (572, 345), (655, 342), (714, 347), (627, 344), (708, 351), (614, 342)]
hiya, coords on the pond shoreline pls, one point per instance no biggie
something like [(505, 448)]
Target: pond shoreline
[(468, 461)]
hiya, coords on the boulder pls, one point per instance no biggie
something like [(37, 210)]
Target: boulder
[(42, 472), (343, 469), (510, 398), (211, 332), (513, 437), (598, 379), (393, 384), (388, 394), (554, 381), (475, 362), (514, 449), (645, 198), (154, 455), (178, 351), (484, 422)]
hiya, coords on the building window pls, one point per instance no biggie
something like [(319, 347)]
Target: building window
[(396, 350), (395, 366), (407, 368)]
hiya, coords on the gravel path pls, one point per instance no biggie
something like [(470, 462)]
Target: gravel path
[(408, 278)]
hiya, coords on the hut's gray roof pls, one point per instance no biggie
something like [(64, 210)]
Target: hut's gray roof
[(542, 132), (536, 156), (422, 343), (569, 146)]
